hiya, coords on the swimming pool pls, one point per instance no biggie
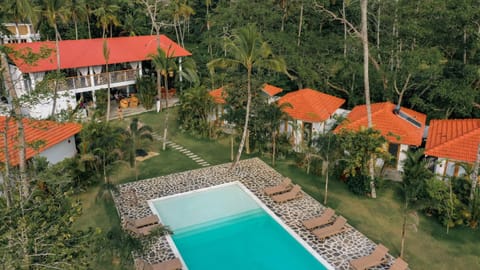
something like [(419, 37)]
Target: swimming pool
[(227, 227)]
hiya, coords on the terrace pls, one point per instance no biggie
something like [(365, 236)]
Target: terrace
[(255, 175)]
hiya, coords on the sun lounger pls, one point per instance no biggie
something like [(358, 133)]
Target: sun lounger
[(142, 226), (377, 257), (294, 193), (324, 219), (285, 186), (337, 227), (399, 264), (173, 264)]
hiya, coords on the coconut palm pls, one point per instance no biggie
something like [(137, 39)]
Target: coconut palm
[(106, 56), (165, 64), (133, 136), (105, 13), (79, 13), (248, 51)]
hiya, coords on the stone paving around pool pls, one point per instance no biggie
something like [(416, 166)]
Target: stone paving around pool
[(131, 201)]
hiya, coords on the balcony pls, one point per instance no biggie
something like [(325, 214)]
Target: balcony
[(99, 81)]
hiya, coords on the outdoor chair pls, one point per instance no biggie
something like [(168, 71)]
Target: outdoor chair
[(285, 186), (376, 258), (294, 193), (337, 227), (399, 264), (324, 219), (142, 226), (173, 264)]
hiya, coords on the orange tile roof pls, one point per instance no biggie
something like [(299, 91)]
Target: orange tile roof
[(456, 139), (48, 132), (89, 52), (310, 105), (218, 95), (271, 90), (394, 128)]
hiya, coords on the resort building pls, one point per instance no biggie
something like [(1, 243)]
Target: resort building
[(402, 128), (19, 33), (452, 142), (311, 113), (84, 65)]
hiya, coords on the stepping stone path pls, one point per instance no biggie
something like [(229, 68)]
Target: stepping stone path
[(200, 161)]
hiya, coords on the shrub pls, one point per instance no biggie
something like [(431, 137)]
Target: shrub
[(146, 91)]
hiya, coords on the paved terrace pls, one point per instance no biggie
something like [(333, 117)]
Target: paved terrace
[(131, 201)]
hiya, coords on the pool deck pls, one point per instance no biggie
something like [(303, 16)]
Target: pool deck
[(131, 201)]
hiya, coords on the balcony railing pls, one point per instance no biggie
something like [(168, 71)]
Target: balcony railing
[(99, 80)]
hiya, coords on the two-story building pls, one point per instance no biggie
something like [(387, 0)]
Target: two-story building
[(84, 64)]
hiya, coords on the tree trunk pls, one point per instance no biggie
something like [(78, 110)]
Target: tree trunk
[(164, 146), (247, 116), (274, 134), (474, 179), (364, 33), (404, 234), (326, 184), (300, 25), (55, 90), (344, 30), (247, 143), (6, 176), (108, 93)]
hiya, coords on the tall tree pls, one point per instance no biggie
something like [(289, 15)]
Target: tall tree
[(106, 56), (250, 52), (106, 16), (79, 13), (134, 135)]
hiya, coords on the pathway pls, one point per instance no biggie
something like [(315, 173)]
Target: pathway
[(200, 161)]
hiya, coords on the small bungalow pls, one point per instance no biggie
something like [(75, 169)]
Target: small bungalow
[(271, 92), (451, 142), (311, 112), (402, 128), (52, 140)]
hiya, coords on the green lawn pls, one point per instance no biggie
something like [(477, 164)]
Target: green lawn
[(380, 219)]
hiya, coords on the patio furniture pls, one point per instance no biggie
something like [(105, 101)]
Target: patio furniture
[(324, 219), (376, 258), (294, 193), (173, 264), (285, 186), (337, 227), (399, 264), (142, 226)]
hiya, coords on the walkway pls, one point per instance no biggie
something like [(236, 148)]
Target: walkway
[(200, 161)]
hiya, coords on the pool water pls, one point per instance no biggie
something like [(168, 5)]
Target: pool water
[(225, 228)]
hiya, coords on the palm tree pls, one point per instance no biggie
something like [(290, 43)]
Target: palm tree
[(165, 64), (79, 13), (329, 152), (414, 182), (55, 11), (134, 135), (366, 84), (106, 56), (249, 52), (274, 116), (106, 17)]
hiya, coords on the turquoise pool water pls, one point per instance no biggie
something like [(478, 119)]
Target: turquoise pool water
[(225, 228)]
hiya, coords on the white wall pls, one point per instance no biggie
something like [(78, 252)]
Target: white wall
[(402, 156), (43, 109), (60, 151)]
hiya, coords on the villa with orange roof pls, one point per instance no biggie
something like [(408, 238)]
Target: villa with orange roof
[(402, 128), (452, 142), (83, 63), (55, 141), (311, 113)]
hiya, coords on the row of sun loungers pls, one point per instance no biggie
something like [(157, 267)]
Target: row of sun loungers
[(142, 226), (173, 264), (377, 257)]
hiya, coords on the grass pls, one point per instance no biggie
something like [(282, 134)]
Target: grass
[(379, 219)]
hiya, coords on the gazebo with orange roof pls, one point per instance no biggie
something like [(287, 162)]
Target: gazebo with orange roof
[(218, 95), (401, 127), (310, 110), (452, 142), (271, 91)]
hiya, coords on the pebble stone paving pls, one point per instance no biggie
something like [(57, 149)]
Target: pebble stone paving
[(131, 201)]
